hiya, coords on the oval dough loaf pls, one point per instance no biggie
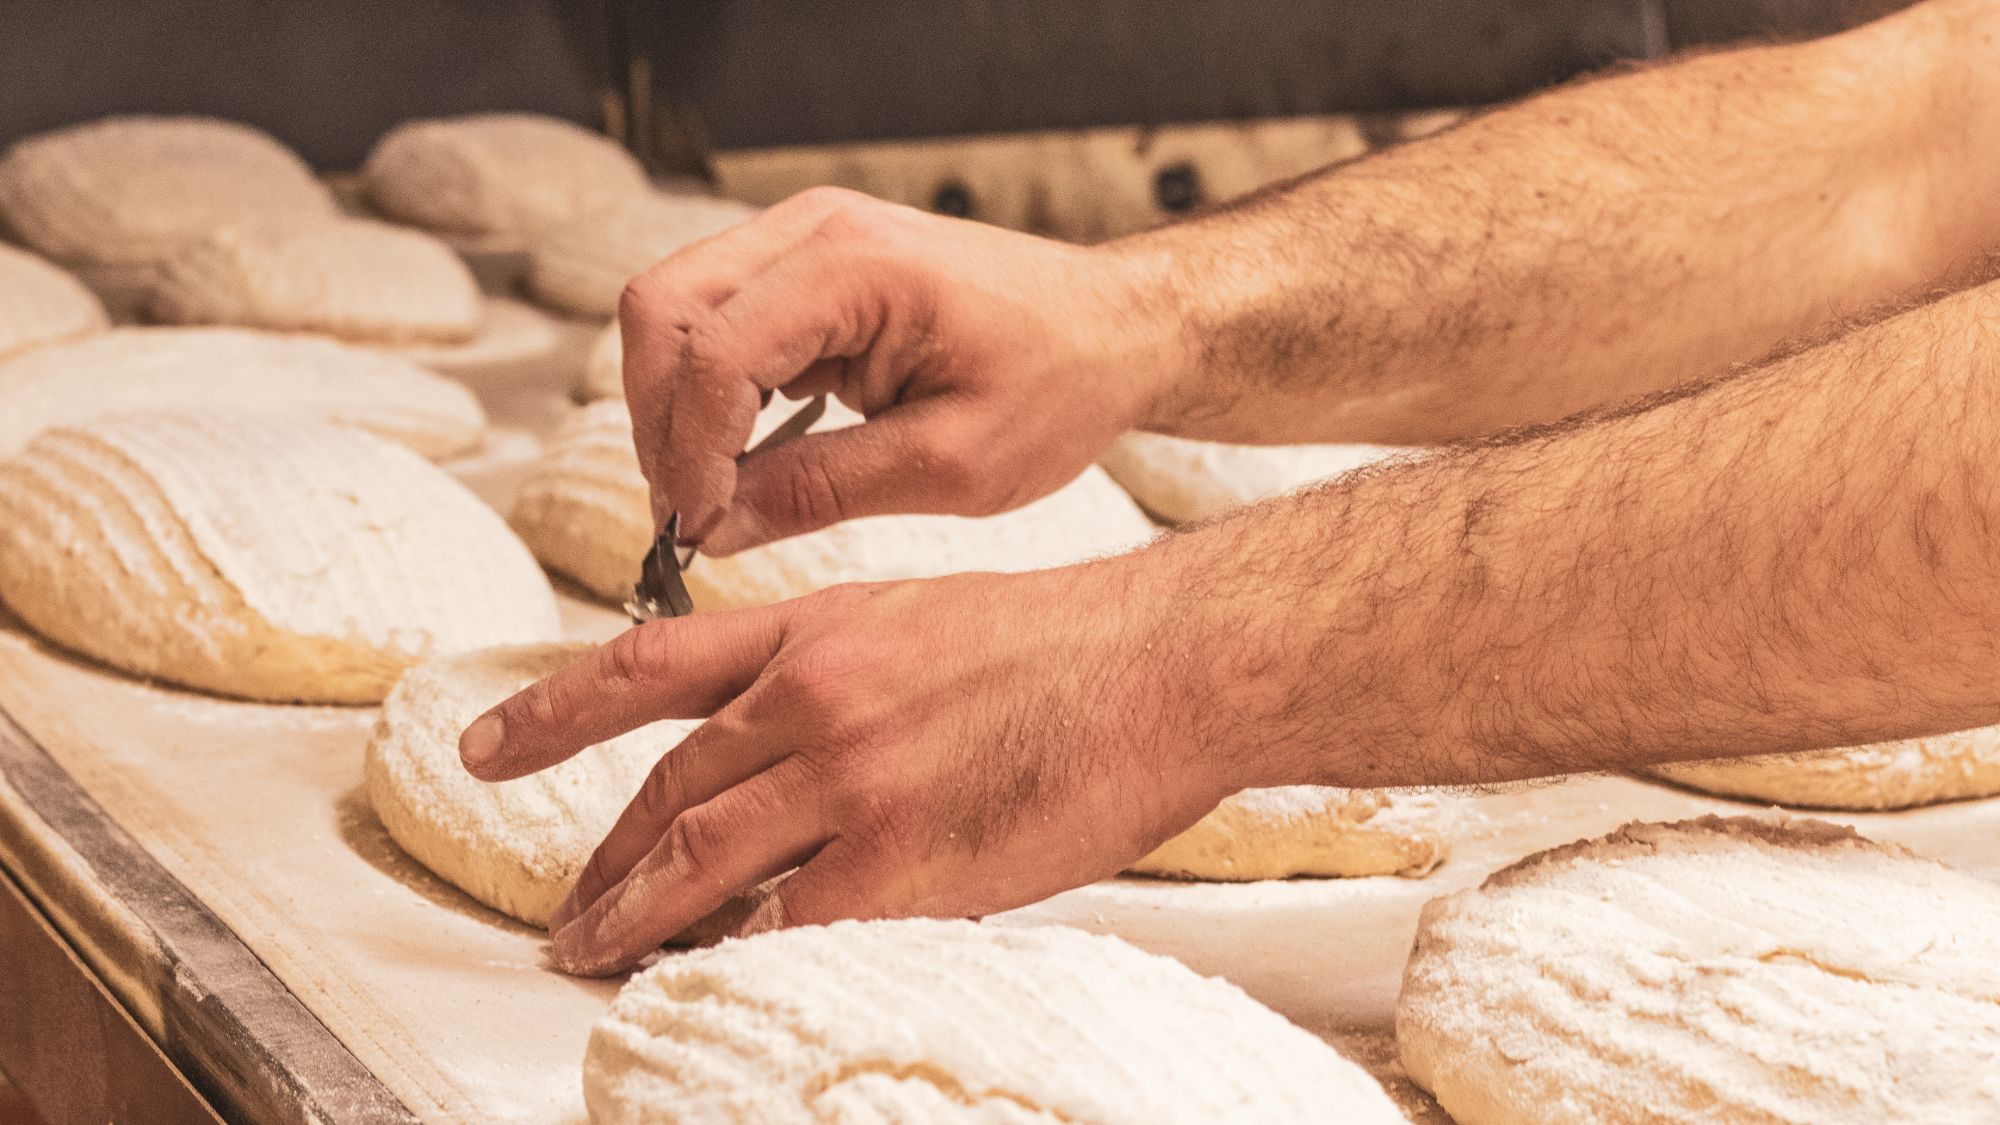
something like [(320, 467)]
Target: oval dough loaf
[(129, 190), (361, 281), (1886, 775), (257, 556), (584, 511), (40, 304), (581, 266), (497, 174), (1181, 481), (953, 1022), (1308, 830), (134, 369), (1713, 970)]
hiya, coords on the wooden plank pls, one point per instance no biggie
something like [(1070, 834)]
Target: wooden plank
[(218, 1013)]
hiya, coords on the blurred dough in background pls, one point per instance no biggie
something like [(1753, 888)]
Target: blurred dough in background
[(581, 266), (1181, 480), (42, 304), (1886, 775), (1311, 830)]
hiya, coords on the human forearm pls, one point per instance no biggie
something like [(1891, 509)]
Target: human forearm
[(1590, 244)]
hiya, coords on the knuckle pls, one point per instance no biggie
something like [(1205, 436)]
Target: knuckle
[(827, 197), (813, 493), (539, 705), (656, 796), (633, 655), (696, 840), (867, 221), (641, 296)]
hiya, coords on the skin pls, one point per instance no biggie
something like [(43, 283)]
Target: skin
[(1784, 555)]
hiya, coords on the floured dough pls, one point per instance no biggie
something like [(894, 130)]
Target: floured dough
[(923, 1021), (1308, 830), (517, 846), (40, 304), (581, 266), (1181, 481), (497, 174), (1764, 970), (361, 281), (1886, 775), (129, 369), (129, 190), (257, 555), (604, 370), (585, 512)]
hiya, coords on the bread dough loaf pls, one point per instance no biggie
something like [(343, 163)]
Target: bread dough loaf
[(581, 266), (1308, 830), (497, 175), (129, 190), (585, 512), (954, 1022), (40, 304), (1181, 481), (604, 369), (1763, 970), (361, 281), (1886, 775), (259, 556), (131, 369)]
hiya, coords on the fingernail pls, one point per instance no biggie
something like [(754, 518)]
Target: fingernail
[(480, 744)]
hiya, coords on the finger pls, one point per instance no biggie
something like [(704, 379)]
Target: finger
[(832, 886), (724, 847), (679, 668)]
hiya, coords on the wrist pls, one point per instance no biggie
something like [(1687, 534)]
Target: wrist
[(1160, 283)]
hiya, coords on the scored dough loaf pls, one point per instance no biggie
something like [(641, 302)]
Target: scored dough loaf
[(129, 190), (497, 174), (1886, 775), (1748, 969), (260, 556), (133, 369), (584, 511), (1309, 830), (1180, 480), (361, 281), (581, 266), (40, 304), (955, 1022)]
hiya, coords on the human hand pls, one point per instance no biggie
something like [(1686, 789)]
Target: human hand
[(992, 366)]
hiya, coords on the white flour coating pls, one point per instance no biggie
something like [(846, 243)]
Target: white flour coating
[(129, 190), (361, 281), (257, 556), (505, 174), (955, 1023), (604, 369), (584, 511), (1742, 970), (581, 266), (41, 304), (1886, 775), (514, 347), (1309, 830), (1181, 481), (133, 369)]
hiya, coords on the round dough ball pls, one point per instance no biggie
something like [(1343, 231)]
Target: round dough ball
[(1743, 969), (1181, 481), (497, 174), (584, 511), (581, 266), (40, 304), (259, 556), (133, 369), (361, 281), (129, 190), (1886, 775), (1308, 830), (953, 1022)]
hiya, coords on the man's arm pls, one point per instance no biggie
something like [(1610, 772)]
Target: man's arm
[(1794, 557)]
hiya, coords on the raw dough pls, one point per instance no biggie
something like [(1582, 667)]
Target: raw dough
[(128, 369), (259, 556), (1308, 830), (954, 1022), (40, 304), (604, 370), (581, 266), (1181, 481), (361, 281), (129, 190), (1887, 775), (498, 174), (584, 510), (1766, 970)]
